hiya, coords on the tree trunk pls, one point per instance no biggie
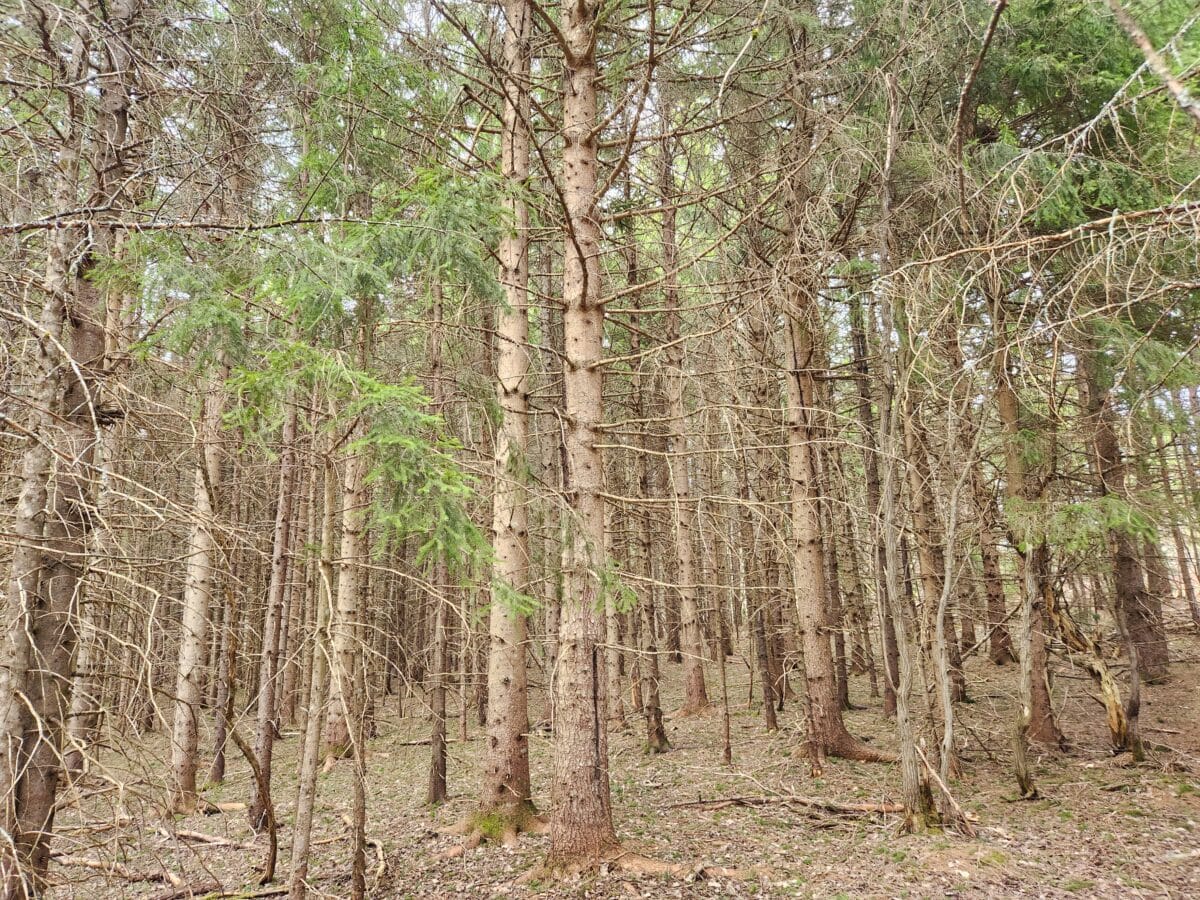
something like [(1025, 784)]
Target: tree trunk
[(683, 513), (870, 454), (310, 749), (506, 783), (581, 826), (264, 742), (197, 596), (827, 732), (50, 560), (345, 627)]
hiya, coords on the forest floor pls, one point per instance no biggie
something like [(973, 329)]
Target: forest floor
[(1103, 826)]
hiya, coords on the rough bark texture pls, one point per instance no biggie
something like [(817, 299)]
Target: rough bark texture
[(828, 734), (506, 786), (1135, 604), (581, 823), (49, 563)]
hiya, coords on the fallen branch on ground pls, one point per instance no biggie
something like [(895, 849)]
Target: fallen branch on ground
[(849, 809), (116, 868), (188, 891), (200, 837)]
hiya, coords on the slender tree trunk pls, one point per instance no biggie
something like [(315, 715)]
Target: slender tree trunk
[(264, 743), (345, 626), (683, 513), (437, 792), (1182, 562), (310, 749), (650, 478), (870, 454), (197, 596)]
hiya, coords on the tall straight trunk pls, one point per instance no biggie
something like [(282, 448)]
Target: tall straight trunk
[(506, 785), (919, 811), (310, 748), (281, 545), (827, 731), (437, 792), (345, 626), (683, 513), (227, 661), (581, 825), (613, 658), (830, 481), (650, 477), (297, 662), (197, 597), (870, 454)]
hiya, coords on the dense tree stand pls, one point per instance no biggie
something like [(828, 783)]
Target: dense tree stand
[(372, 371)]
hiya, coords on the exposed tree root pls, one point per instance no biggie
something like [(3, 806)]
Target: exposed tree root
[(848, 747), (618, 860), (499, 826), (685, 712)]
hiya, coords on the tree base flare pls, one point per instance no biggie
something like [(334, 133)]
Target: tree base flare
[(501, 826)]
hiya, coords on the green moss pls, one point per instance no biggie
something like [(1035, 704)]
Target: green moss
[(994, 858)]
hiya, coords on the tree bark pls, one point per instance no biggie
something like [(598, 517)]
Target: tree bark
[(683, 513), (281, 544), (506, 783), (581, 824), (197, 597)]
